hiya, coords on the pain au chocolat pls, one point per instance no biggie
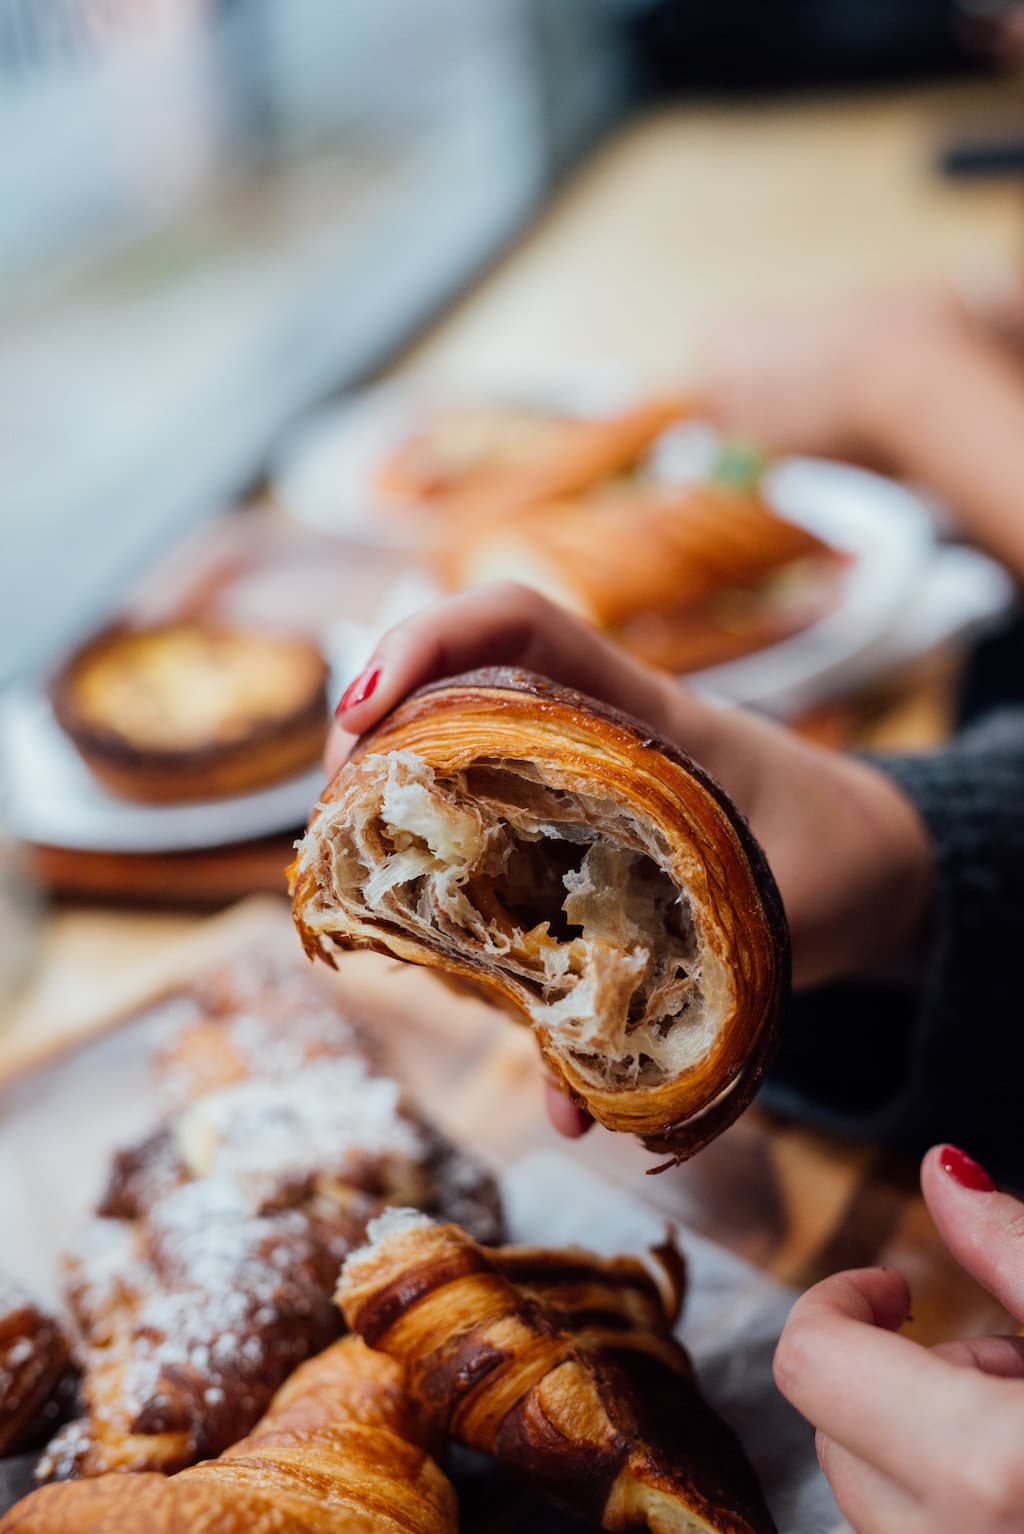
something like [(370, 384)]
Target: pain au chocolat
[(597, 1407), (541, 845)]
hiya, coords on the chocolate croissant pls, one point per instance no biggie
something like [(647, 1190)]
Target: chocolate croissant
[(208, 1275), (529, 840), (340, 1448), (592, 1294), (606, 1419), (34, 1368)]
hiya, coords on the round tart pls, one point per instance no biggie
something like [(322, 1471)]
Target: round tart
[(189, 711)]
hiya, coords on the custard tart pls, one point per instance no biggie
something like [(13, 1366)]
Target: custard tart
[(186, 711)]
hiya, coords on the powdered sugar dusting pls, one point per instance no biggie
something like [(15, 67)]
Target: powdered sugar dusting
[(263, 1018), (260, 1131), (392, 1224), (210, 1273)]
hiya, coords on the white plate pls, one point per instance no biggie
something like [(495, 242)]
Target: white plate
[(51, 798)]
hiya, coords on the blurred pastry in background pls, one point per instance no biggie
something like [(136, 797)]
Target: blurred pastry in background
[(458, 443), (485, 460), (190, 710), (34, 1371), (264, 1017), (684, 576)]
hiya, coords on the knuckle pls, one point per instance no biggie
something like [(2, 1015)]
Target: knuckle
[(823, 1450), (989, 1487), (792, 1356), (1012, 1232), (514, 594)]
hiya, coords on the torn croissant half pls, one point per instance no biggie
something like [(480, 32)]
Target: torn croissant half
[(534, 842)]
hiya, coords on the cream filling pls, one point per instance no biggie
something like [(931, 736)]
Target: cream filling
[(566, 894)]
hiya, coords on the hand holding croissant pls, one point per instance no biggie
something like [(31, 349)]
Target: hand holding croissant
[(849, 854)]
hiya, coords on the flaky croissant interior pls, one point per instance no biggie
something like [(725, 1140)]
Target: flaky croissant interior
[(564, 893)]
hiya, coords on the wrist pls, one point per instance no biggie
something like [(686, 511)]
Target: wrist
[(891, 880)]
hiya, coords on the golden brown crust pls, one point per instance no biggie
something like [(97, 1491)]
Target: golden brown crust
[(606, 1418), (242, 747), (502, 713), (340, 1447), (586, 1291), (34, 1360)]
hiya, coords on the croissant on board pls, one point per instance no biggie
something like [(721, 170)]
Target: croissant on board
[(606, 1418), (34, 1370), (208, 1273), (589, 1294), (481, 462), (523, 838), (340, 1448)]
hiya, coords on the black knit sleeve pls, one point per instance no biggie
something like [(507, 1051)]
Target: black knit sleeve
[(944, 1061)]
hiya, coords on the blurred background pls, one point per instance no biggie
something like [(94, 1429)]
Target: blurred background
[(221, 220)]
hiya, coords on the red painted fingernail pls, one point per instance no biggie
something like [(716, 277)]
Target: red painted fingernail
[(965, 1170), (364, 686)]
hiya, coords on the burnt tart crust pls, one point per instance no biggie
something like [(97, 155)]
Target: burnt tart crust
[(719, 972), (262, 719)]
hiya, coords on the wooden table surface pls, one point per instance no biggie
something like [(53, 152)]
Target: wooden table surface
[(680, 217)]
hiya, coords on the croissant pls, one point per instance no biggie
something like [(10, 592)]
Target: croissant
[(640, 548), (208, 1275), (607, 1420), (593, 1294), (34, 1361), (549, 849), (340, 1448)]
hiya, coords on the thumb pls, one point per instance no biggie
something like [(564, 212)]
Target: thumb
[(983, 1228)]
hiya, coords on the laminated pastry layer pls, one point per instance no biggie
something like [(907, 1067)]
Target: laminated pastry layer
[(573, 900)]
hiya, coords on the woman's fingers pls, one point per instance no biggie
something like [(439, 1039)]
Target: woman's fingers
[(339, 745), (873, 1392), (1002, 1357), (564, 1114), (984, 1229), (503, 625), (869, 1500)]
